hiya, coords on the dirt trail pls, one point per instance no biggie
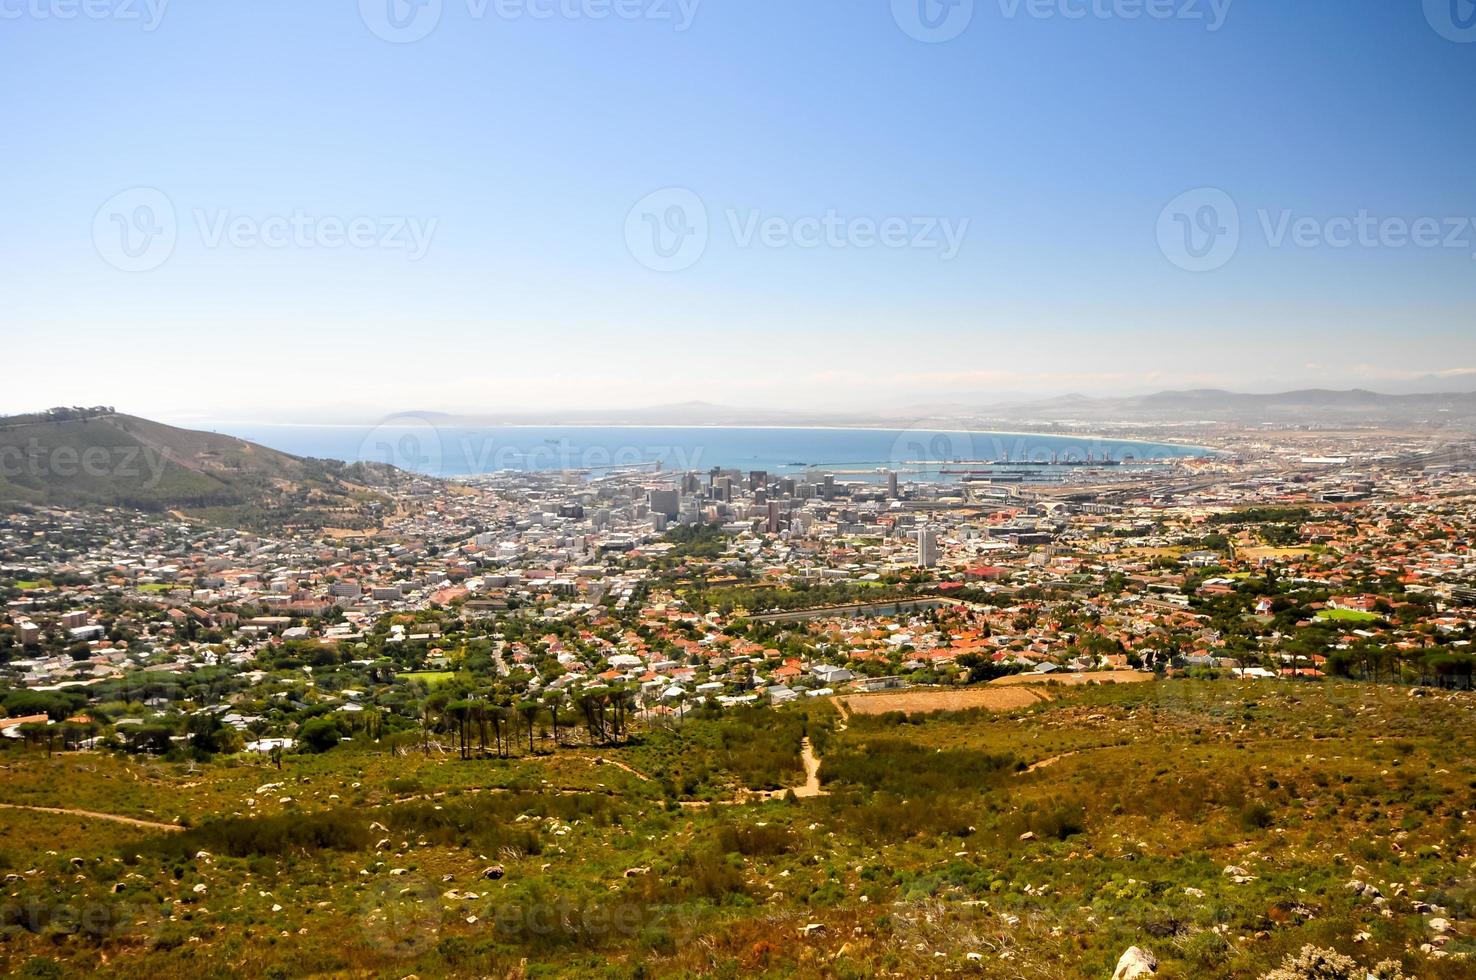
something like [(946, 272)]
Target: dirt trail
[(809, 790), (812, 772), (93, 815), (606, 761), (1047, 762)]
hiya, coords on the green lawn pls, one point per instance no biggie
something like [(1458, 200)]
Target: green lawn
[(431, 677), (1349, 616)]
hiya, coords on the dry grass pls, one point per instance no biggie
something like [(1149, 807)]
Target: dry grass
[(1071, 679), (1258, 553), (912, 702)]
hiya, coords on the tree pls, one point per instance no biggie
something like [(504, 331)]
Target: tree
[(529, 710), (554, 700), (318, 734), (459, 713)]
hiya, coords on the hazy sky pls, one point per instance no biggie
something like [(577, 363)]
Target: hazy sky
[(298, 209)]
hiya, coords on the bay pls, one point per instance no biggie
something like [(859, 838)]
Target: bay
[(427, 446)]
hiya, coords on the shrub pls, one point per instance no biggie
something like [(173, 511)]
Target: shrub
[(274, 836), (1255, 816), (754, 841), (40, 968), (1058, 819), (1206, 950), (1316, 964), (907, 769)]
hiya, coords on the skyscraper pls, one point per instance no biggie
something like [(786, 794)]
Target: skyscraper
[(927, 547), (667, 502)]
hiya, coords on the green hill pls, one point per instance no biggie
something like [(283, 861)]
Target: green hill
[(97, 458)]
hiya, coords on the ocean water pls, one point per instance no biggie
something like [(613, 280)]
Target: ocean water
[(438, 449)]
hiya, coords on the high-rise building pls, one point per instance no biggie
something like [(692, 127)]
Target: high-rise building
[(927, 547), (666, 502), (892, 484)]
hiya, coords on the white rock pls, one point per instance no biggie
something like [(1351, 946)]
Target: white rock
[(1136, 962)]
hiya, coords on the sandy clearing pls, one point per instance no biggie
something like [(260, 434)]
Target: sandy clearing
[(991, 698), (1069, 678)]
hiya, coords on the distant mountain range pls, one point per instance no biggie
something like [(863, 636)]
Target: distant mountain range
[(1168, 407), (1211, 404), (680, 413), (96, 457)]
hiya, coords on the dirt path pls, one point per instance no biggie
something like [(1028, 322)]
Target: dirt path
[(809, 790), (603, 761), (92, 815), (1047, 762), (812, 772), (1052, 760)]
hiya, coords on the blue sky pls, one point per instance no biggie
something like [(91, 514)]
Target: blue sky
[(490, 170)]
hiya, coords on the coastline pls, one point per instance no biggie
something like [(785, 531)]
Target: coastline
[(410, 420)]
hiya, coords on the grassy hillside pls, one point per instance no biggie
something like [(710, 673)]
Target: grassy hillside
[(1220, 826), (124, 461)]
